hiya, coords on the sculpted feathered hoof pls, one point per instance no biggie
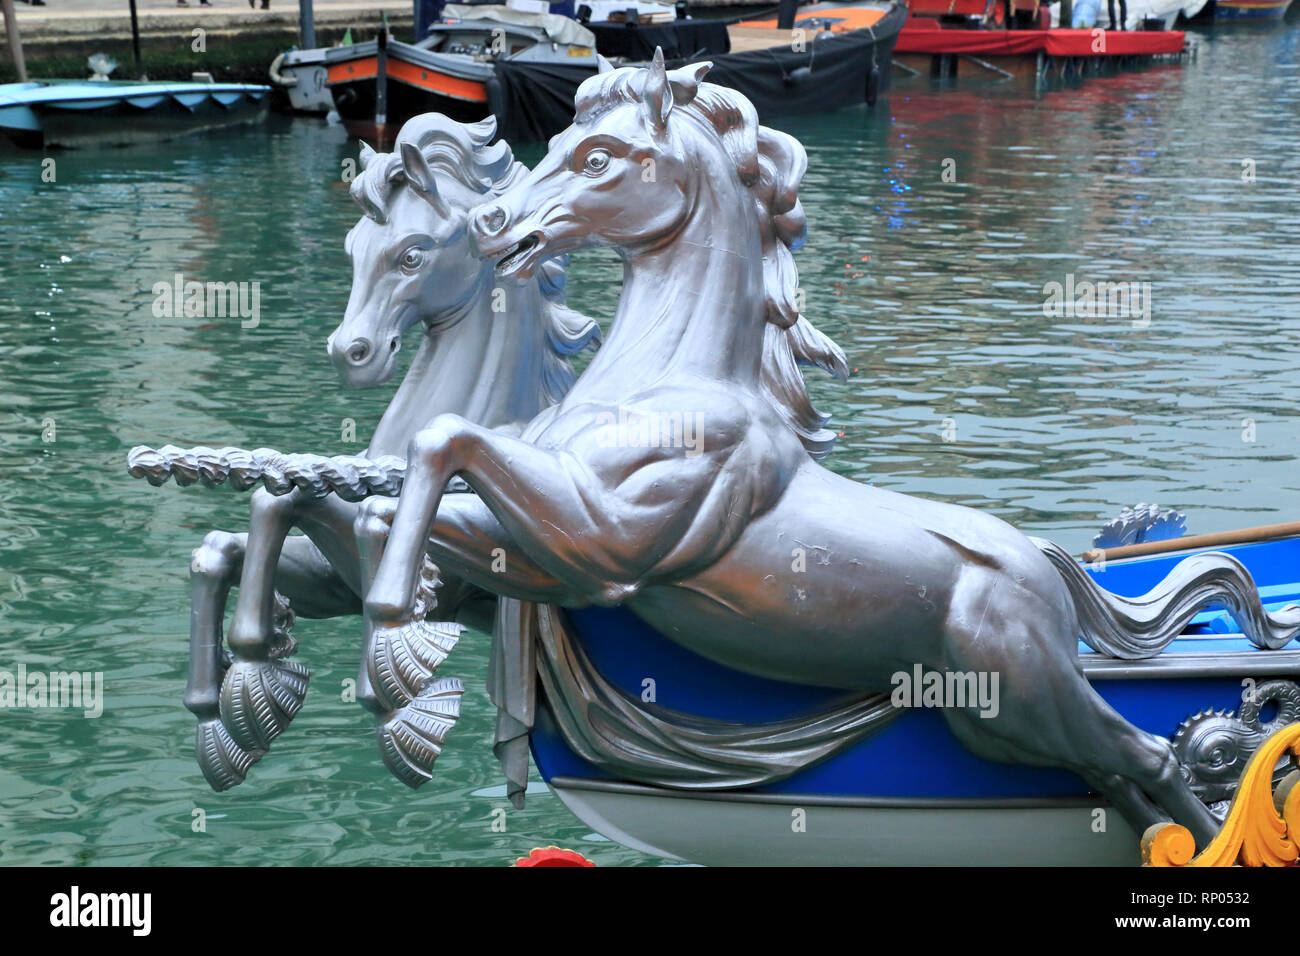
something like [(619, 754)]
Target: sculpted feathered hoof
[(259, 698), (405, 658), (411, 739), (224, 763)]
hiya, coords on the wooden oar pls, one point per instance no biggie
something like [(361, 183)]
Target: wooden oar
[(1268, 532)]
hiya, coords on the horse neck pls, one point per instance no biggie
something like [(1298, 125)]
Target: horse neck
[(692, 305), (486, 367)]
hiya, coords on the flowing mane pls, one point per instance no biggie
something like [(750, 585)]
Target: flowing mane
[(467, 155), (771, 165)]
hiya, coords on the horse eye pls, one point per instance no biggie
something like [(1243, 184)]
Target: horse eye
[(412, 259), (597, 161)]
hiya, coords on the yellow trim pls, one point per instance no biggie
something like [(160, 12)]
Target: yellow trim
[(1262, 828)]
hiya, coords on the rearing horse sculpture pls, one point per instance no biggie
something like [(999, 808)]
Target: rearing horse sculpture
[(700, 544), (494, 351), (698, 538)]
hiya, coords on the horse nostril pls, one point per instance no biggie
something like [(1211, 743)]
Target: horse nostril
[(394, 343), (492, 221), (358, 351)]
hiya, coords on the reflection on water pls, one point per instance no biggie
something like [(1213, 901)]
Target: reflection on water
[(963, 389)]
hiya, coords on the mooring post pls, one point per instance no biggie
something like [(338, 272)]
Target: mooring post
[(135, 41), (306, 25), (381, 86), (785, 14), (15, 41)]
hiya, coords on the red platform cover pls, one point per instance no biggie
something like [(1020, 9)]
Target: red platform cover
[(919, 36)]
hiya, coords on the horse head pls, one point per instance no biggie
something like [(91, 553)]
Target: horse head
[(651, 154), (411, 260), (619, 176)]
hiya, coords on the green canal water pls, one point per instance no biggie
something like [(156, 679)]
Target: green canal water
[(963, 390)]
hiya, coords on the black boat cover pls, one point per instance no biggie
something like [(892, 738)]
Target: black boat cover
[(534, 101), (678, 39)]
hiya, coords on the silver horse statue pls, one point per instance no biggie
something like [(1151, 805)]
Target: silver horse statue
[(698, 538), (412, 267)]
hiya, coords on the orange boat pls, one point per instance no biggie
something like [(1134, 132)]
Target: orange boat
[(380, 84)]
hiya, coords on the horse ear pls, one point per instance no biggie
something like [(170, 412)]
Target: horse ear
[(421, 178), (367, 156), (603, 65), (685, 82), (656, 95)]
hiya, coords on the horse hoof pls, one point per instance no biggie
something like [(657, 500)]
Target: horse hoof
[(411, 739), (405, 658), (259, 698), (224, 763)]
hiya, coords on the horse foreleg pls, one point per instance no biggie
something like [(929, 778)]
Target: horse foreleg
[(414, 710), (262, 691), (550, 521), (214, 569), (328, 560)]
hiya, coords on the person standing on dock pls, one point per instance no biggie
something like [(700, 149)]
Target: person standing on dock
[(1123, 13)]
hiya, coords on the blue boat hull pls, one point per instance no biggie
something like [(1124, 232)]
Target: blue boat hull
[(105, 113), (914, 761)]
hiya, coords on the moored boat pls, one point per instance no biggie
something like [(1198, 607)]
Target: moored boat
[(985, 38), (839, 59), (83, 113), (303, 77), (1253, 9), (380, 84)]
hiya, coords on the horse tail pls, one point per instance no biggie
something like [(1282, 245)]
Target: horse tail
[(351, 477), (1141, 627)]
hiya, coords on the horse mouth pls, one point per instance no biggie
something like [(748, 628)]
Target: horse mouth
[(519, 255)]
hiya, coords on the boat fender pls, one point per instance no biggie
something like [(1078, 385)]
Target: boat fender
[(552, 856), (873, 85), (277, 77)]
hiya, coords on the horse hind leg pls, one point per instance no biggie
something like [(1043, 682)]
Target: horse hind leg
[(214, 569), (1135, 771), (1049, 715)]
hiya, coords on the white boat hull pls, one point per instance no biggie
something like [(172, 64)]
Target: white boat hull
[(748, 830)]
